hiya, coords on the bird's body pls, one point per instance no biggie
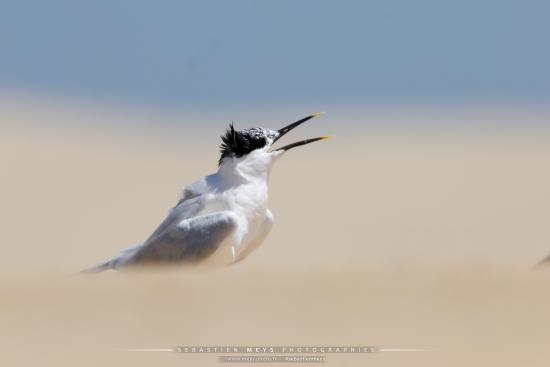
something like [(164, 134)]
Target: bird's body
[(221, 218), (238, 190)]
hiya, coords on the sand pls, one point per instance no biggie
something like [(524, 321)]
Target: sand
[(396, 239)]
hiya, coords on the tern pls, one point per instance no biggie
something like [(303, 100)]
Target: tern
[(221, 218)]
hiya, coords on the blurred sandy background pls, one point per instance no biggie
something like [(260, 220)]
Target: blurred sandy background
[(413, 237), (417, 226)]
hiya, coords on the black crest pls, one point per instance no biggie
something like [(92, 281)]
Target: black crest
[(236, 143)]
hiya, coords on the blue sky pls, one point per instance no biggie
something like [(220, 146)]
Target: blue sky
[(182, 53)]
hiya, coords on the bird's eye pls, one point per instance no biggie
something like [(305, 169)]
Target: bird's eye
[(258, 142)]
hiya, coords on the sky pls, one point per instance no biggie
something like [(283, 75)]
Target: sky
[(185, 53)]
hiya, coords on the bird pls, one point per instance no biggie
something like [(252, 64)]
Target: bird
[(221, 218)]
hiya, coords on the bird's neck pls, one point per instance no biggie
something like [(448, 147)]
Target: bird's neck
[(253, 168)]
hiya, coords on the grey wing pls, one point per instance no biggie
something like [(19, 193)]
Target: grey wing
[(190, 240), (184, 209), (184, 236)]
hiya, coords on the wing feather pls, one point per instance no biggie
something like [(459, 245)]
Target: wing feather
[(189, 241)]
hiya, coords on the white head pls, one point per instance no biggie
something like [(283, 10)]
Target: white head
[(251, 148)]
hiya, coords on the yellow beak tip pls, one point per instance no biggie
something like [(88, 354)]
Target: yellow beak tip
[(316, 114)]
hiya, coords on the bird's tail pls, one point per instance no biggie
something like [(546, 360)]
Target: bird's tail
[(98, 268), (120, 260)]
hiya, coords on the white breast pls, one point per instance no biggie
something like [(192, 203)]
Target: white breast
[(248, 205)]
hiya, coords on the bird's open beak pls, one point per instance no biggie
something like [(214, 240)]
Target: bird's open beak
[(286, 129)]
